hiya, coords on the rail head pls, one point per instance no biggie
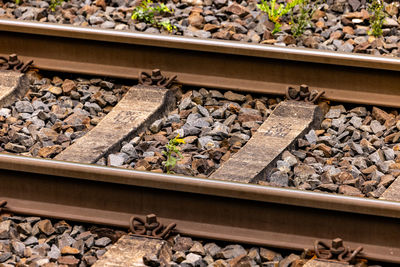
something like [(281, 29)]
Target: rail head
[(201, 186), (206, 45)]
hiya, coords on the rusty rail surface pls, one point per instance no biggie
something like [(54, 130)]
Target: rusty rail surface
[(202, 208), (345, 77)]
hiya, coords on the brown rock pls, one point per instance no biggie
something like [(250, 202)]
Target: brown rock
[(249, 114), (211, 27), (348, 30), (69, 261), (320, 24), (142, 165), (310, 42), (182, 243), (237, 9), (238, 37), (336, 35), (324, 148), (363, 14), (392, 9), (69, 250), (267, 255), (362, 48), (222, 34), (317, 15), (15, 148), (50, 133), (88, 10), (267, 35), (346, 22), (369, 170), (46, 227), (349, 190), (343, 177), (55, 90), (386, 180), (101, 3), (234, 96), (380, 115), (196, 20), (49, 151), (241, 261), (289, 39), (394, 166), (68, 86)]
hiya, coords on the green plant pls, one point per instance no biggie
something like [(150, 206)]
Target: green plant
[(303, 19), (378, 17), (147, 12), (275, 12), (17, 2), (172, 149), (54, 4)]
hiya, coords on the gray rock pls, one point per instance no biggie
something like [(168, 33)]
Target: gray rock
[(231, 251), (377, 157), (94, 20), (24, 106), (186, 103), (220, 130), (198, 249), (54, 253), (219, 113), (31, 241), (116, 159), (206, 142), (311, 137), (333, 113), (356, 122), (102, 242), (279, 178), (5, 256), (212, 249), (389, 154), (173, 118), (376, 126), (18, 248), (155, 127), (5, 112), (191, 260), (203, 111), (130, 150), (108, 25)]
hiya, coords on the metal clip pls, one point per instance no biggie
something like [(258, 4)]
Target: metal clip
[(13, 63), (303, 94), (337, 251), (3, 204), (155, 78), (151, 227)]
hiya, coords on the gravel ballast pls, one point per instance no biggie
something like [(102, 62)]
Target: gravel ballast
[(54, 113), (356, 152), (34, 241), (213, 124), (337, 25)]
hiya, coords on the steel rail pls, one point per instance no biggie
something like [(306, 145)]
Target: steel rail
[(345, 77), (202, 208)]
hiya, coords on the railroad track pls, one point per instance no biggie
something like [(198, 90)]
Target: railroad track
[(203, 208)]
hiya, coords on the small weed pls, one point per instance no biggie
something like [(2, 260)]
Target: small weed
[(377, 18), (17, 2), (275, 12), (303, 18), (172, 150), (54, 4), (147, 12)]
